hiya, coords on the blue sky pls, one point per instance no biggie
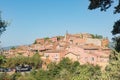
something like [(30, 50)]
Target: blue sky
[(31, 19)]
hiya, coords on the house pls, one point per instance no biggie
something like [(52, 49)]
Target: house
[(39, 41), (78, 47), (54, 39), (88, 54), (54, 55), (38, 47), (72, 56), (96, 42)]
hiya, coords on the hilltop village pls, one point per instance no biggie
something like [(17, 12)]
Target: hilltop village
[(84, 48)]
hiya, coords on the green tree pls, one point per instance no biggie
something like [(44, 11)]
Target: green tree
[(3, 25), (35, 61), (24, 77), (15, 76), (97, 36), (46, 38), (87, 72), (113, 69), (13, 48), (104, 5), (42, 75), (65, 63), (116, 39), (4, 76), (2, 59)]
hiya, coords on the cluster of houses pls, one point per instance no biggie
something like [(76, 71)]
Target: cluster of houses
[(78, 47)]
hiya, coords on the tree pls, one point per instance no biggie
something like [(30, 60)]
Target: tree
[(13, 48), (87, 72), (116, 39), (113, 69), (2, 59), (3, 25), (97, 36), (35, 61), (104, 5)]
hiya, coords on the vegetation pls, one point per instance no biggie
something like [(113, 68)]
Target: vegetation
[(116, 39), (46, 38), (2, 60), (104, 5), (64, 70), (60, 37), (13, 48), (34, 61), (35, 42), (112, 71), (3, 25), (97, 36)]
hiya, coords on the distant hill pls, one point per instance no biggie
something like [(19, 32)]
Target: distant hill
[(9, 47)]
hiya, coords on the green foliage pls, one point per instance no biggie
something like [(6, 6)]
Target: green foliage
[(3, 25), (116, 28), (35, 42), (87, 72), (35, 60), (64, 70), (4, 76), (60, 37), (13, 48), (65, 63), (23, 77), (116, 39), (15, 76), (46, 38), (113, 69), (2, 59), (97, 36), (104, 5)]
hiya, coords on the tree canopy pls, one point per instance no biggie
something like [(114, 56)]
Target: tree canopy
[(3, 25), (104, 5)]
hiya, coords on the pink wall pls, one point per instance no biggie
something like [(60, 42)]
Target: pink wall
[(53, 56), (89, 56)]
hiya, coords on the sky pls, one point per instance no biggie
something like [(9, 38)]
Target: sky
[(31, 19)]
